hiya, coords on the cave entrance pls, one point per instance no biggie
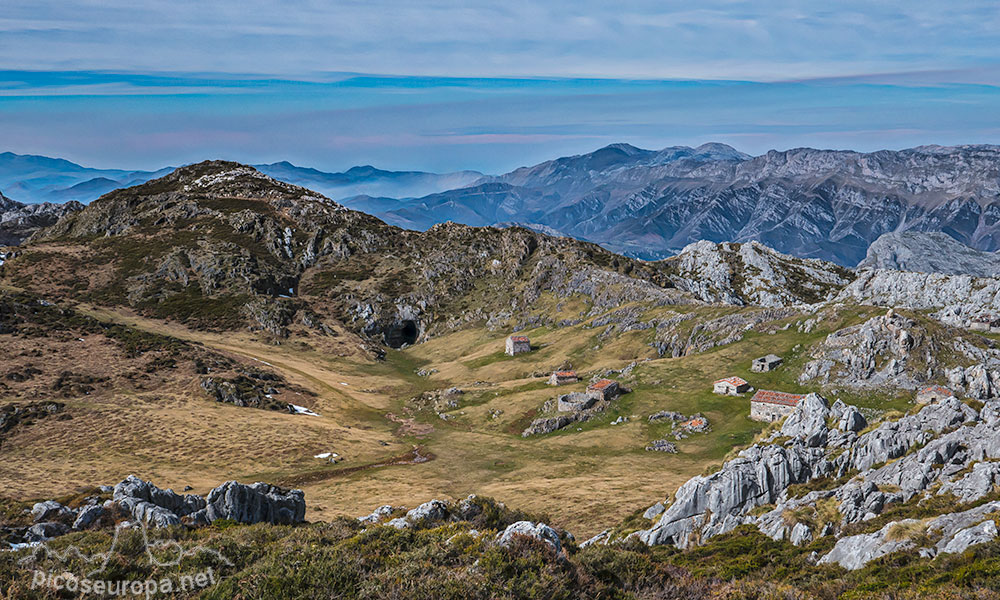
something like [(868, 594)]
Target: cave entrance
[(401, 333)]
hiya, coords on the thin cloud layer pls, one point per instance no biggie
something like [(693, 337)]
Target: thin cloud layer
[(583, 38)]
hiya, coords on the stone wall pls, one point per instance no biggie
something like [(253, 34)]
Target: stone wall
[(767, 412)]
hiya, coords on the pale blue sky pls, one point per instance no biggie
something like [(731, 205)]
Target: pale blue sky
[(487, 85)]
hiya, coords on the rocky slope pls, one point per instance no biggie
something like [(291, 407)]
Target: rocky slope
[(752, 273), (808, 203), (946, 450), (18, 221), (221, 244), (929, 253)]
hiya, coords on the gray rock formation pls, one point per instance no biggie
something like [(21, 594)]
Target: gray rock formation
[(39, 532), (929, 253), (538, 531), (49, 510), (752, 273), (854, 552), (19, 221), (654, 511), (87, 516), (149, 504), (378, 514), (875, 353), (808, 421), (977, 534), (940, 444), (434, 510), (255, 503)]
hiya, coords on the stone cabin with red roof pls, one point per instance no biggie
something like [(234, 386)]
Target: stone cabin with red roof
[(563, 377), (933, 393), (518, 344), (731, 386), (770, 406), (603, 389)]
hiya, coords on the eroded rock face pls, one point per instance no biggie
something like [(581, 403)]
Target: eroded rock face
[(929, 252), (808, 421), (752, 273), (856, 551), (149, 504), (718, 503), (946, 443), (19, 221), (255, 503), (879, 352)]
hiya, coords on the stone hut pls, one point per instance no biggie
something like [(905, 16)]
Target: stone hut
[(603, 389), (933, 393), (731, 386), (563, 377), (771, 406), (765, 363), (518, 344), (988, 323)]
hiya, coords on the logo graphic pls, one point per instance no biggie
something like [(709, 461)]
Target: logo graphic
[(159, 553)]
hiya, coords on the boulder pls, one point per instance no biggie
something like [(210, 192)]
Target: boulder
[(854, 552), (377, 515), (977, 534), (50, 510), (852, 420), (600, 538), (87, 516), (434, 510), (976, 483), (152, 505), (256, 503), (801, 534), (39, 532), (469, 508), (538, 531)]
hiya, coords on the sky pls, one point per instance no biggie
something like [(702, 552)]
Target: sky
[(486, 85)]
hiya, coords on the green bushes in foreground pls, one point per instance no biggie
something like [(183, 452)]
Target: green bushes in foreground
[(462, 561)]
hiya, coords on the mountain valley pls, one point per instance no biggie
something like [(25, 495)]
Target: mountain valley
[(217, 324)]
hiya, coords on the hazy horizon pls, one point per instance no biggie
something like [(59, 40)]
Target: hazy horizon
[(486, 86)]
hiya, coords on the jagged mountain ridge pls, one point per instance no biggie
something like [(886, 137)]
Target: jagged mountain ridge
[(805, 202), (223, 239), (19, 221)]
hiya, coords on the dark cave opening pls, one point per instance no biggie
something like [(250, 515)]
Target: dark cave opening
[(401, 333)]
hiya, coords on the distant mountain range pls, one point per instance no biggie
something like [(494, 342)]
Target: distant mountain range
[(33, 179), (650, 203), (808, 203)]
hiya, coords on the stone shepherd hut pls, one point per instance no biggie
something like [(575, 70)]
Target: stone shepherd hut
[(518, 344), (771, 406), (563, 377), (933, 393), (765, 363), (603, 389), (731, 386)]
